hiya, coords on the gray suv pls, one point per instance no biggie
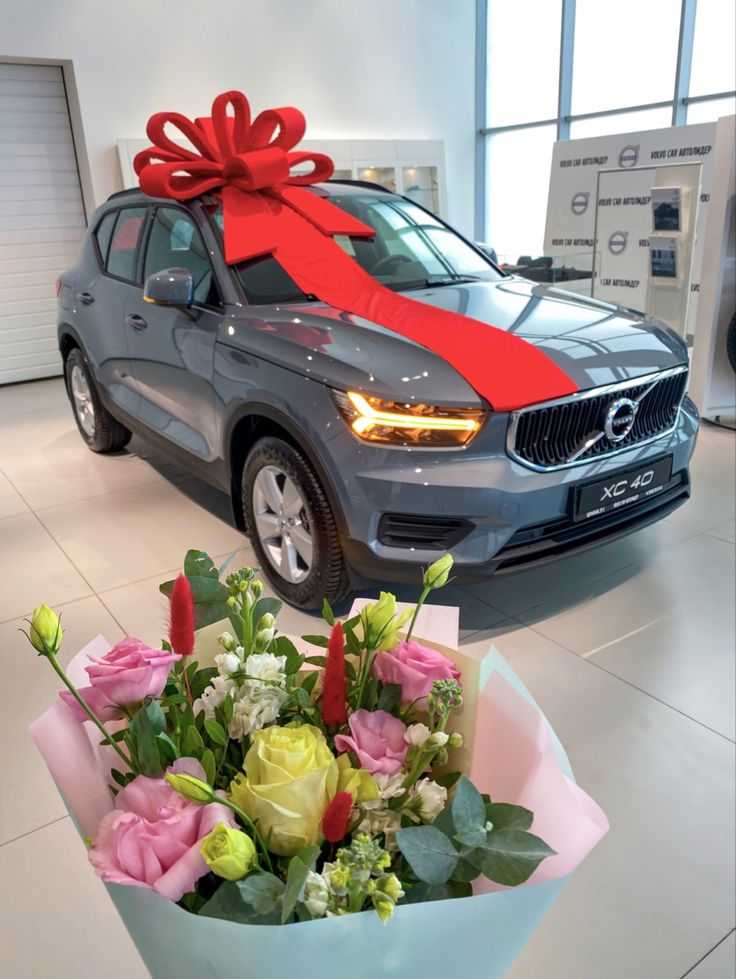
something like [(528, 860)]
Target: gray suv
[(350, 452)]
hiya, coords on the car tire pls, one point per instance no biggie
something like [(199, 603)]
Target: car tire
[(96, 425), (731, 342), (298, 543)]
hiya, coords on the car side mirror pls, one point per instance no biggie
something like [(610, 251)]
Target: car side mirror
[(170, 287)]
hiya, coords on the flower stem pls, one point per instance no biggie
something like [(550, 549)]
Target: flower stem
[(421, 601), (247, 821), (88, 711)]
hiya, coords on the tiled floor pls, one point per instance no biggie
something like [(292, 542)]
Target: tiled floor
[(628, 649)]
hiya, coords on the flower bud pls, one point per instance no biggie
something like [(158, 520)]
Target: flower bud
[(263, 639), (456, 740), (226, 641), (45, 632), (257, 588), (437, 740), (438, 572), (231, 602), (267, 622), (190, 788), (228, 852), (417, 735)]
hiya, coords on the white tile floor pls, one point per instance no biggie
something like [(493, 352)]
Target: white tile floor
[(629, 650)]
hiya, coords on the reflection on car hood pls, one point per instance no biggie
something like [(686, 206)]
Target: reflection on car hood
[(595, 343)]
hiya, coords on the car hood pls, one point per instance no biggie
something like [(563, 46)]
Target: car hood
[(594, 342)]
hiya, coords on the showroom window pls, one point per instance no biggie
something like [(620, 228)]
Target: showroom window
[(567, 69)]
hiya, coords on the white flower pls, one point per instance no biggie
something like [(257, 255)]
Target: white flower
[(316, 894), (437, 740), (377, 821), (257, 706), (228, 663), (416, 734), (427, 799), (266, 666), (226, 641), (219, 689)]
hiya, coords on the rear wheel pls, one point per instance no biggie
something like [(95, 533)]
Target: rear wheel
[(96, 425), (291, 525)]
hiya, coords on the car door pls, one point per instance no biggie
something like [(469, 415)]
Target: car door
[(101, 294), (172, 348)]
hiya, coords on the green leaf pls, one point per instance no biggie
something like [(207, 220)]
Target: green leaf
[(505, 816), (302, 697), (352, 644), (237, 623), (191, 743), (172, 752), (309, 681), (390, 697), (443, 822), (144, 738), (283, 646), (208, 763), (215, 732), (198, 564), (263, 605), (244, 900), (421, 892), (316, 640), (316, 660), (510, 856), (468, 808), (296, 875), (471, 836), (465, 871), (119, 777), (327, 614), (447, 780), (430, 854), (201, 680), (210, 599)]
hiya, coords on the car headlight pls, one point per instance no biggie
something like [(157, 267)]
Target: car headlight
[(398, 423)]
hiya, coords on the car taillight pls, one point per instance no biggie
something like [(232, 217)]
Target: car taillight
[(58, 287)]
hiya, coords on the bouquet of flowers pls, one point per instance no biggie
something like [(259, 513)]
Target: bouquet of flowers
[(275, 787)]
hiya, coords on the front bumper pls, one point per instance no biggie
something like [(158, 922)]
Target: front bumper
[(507, 515)]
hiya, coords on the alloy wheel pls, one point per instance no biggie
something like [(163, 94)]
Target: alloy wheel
[(282, 523), (83, 405)]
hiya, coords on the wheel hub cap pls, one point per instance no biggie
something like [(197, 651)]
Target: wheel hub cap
[(83, 406), (282, 524)]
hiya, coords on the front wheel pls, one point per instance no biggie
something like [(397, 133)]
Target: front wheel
[(291, 525)]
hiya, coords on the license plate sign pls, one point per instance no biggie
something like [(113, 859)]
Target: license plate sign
[(621, 489)]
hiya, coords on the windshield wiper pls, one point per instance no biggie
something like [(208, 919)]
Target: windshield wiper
[(451, 280)]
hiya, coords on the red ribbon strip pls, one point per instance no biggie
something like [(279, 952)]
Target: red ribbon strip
[(267, 211)]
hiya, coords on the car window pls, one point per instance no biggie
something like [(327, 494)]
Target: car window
[(104, 233), (121, 258), (176, 242), (410, 247)]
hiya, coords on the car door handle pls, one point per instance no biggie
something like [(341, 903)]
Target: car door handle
[(136, 321), (86, 298)]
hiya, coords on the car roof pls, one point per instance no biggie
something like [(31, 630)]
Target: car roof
[(329, 188)]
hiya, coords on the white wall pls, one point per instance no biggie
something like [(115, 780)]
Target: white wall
[(389, 68)]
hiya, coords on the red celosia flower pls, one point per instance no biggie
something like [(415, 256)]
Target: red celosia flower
[(181, 617), (337, 817), (334, 709)]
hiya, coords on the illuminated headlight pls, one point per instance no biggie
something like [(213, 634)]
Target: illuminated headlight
[(398, 423)]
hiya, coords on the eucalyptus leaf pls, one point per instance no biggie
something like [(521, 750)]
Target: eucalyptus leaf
[(421, 892), (198, 564), (244, 901), (510, 856), (443, 822), (429, 853), (143, 737), (264, 892), (210, 599), (505, 816), (296, 875), (471, 836), (468, 808)]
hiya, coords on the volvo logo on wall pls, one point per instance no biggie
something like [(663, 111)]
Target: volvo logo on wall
[(579, 202), (617, 242), (619, 419), (629, 156)]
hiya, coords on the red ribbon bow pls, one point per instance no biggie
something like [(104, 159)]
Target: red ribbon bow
[(250, 163)]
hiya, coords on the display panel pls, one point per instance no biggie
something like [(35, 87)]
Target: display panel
[(663, 258), (666, 209)]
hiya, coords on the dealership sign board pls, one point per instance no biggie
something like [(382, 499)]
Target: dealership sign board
[(610, 195)]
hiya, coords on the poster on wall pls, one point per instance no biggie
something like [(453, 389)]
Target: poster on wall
[(663, 258), (667, 209)]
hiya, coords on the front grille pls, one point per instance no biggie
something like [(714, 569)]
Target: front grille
[(422, 533), (548, 437)]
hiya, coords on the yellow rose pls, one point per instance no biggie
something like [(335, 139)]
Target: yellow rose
[(228, 852), (290, 777)]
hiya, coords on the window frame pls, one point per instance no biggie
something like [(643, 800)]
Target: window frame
[(148, 229), (144, 230)]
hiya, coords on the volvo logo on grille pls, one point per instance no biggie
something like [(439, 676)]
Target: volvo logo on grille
[(619, 419)]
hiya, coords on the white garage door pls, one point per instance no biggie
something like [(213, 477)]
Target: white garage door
[(41, 216)]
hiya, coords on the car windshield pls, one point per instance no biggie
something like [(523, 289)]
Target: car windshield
[(411, 250)]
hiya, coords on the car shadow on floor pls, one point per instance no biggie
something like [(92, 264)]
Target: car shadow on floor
[(529, 595)]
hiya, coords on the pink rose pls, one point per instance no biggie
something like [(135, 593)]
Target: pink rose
[(125, 676), (415, 668), (377, 738), (152, 838)]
